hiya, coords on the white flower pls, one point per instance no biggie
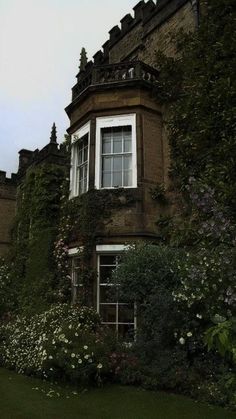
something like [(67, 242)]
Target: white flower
[(199, 316), (182, 341), (86, 356), (99, 366), (80, 361), (85, 347), (72, 355), (189, 334), (76, 334), (72, 366)]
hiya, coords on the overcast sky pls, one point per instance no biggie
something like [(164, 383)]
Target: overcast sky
[(40, 44)]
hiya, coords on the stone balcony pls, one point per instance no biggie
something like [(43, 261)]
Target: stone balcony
[(114, 75)]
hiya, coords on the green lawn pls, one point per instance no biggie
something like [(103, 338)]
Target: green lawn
[(27, 398)]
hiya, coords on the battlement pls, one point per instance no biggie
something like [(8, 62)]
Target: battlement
[(148, 15), (51, 153), (7, 180)]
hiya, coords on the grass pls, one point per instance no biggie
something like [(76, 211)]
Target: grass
[(28, 398)]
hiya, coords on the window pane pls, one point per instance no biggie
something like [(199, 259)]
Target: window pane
[(117, 140), (111, 327), (127, 146), (117, 143), (127, 162), (108, 313), (106, 133), (107, 260), (127, 139), (106, 180), (117, 179), (127, 178), (81, 173), (80, 157), (76, 262), (106, 146), (85, 154), (127, 131), (117, 164), (75, 281), (126, 313), (106, 164), (86, 170), (105, 273), (108, 294), (126, 331), (106, 140)]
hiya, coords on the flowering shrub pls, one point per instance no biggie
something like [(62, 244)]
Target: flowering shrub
[(207, 280), (62, 343)]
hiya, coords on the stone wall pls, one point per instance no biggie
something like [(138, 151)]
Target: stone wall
[(153, 28), (7, 210)]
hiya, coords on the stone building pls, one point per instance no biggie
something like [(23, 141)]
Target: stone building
[(118, 136), (52, 153), (118, 143), (7, 210)]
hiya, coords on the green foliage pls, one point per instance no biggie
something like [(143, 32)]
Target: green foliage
[(222, 337), (148, 275), (7, 291), (35, 231), (82, 218), (158, 193), (202, 125), (198, 87)]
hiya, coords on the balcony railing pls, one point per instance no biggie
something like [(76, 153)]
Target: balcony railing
[(115, 73)]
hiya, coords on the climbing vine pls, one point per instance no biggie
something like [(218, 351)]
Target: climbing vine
[(82, 219), (34, 234), (198, 90)]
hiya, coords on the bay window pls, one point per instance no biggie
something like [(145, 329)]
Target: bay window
[(117, 315), (79, 161), (116, 152)]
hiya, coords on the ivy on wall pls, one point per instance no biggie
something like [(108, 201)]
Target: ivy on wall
[(34, 234), (82, 220), (198, 90)]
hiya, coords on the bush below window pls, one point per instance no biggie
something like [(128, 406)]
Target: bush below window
[(64, 343)]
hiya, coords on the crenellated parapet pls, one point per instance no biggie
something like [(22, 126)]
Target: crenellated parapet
[(4, 180), (147, 16)]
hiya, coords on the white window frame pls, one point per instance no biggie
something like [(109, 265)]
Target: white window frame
[(74, 253), (76, 136), (111, 249), (109, 122)]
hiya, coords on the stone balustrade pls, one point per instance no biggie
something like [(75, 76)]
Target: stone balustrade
[(114, 73)]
